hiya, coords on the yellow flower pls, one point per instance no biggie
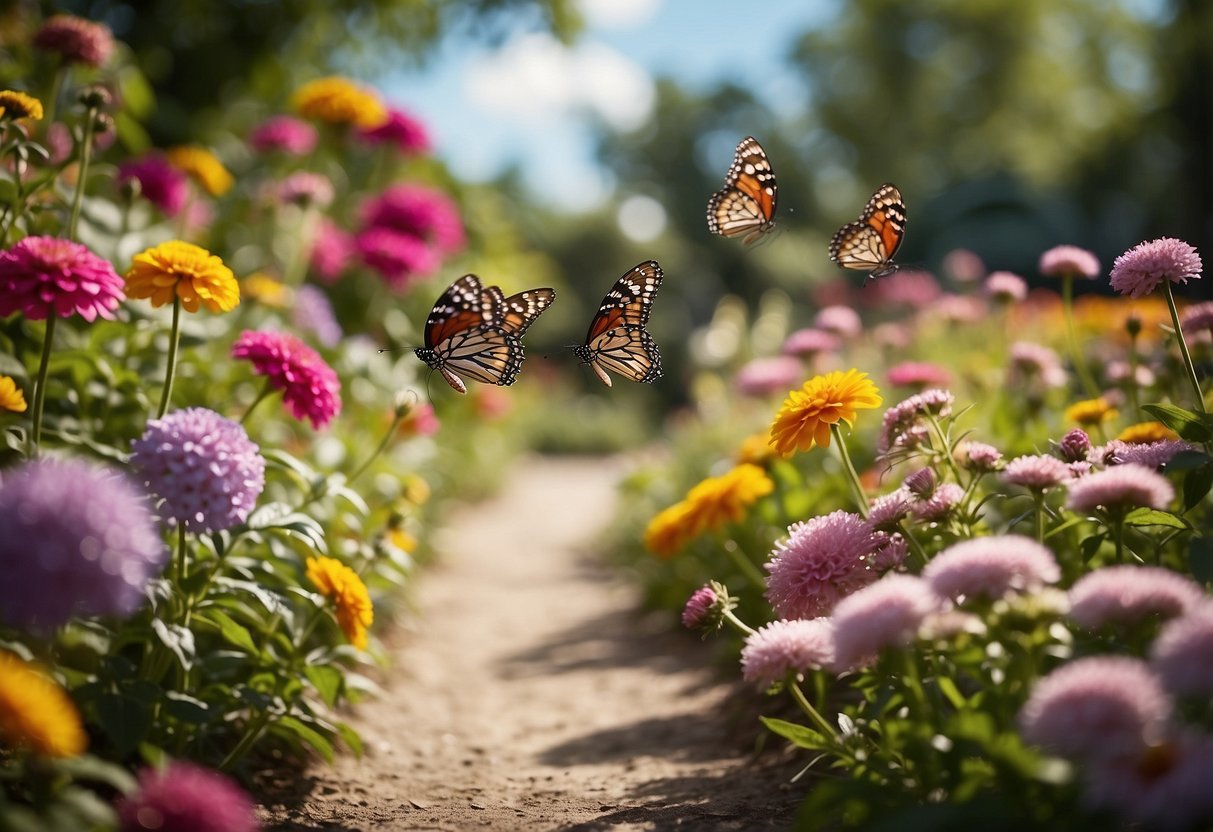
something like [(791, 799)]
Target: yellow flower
[(337, 100), (724, 499), (1090, 412), (351, 601), (202, 166), (670, 530), (401, 539), (186, 271), (416, 490), (11, 396), (755, 448), (15, 105), (260, 287), (36, 713), (805, 418), (1144, 433)]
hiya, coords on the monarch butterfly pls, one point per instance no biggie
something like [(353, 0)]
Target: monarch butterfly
[(477, 331), (746, 204), (870, 243), (617, 339)]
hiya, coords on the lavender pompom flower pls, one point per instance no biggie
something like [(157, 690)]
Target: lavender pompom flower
[(1128, 594), (886, 614), (941, 502), (1036, 472), (783, 647), (991, 567), (1120, 488), (1182, 655), (206, 471), (1006, 288), (1143, 268), (74, 540), (1064, 260), (808, 342), (1149, 455)]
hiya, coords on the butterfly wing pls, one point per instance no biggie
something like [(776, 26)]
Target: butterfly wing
[(521, 310), (746, 203), (871, 243), (617, 339), (465, 335)]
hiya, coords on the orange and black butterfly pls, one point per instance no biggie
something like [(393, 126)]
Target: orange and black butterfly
[(476, 331), (745, 206), (870, 243), (617, 340)]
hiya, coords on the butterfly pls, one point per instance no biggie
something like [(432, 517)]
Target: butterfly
[(617, 339), (870, 243), (477, 331), (746, 204)]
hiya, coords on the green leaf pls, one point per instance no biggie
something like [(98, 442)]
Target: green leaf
[(233, 633), (125, 721), (1197, 483), (1200, 559), (798, 734), (307, 734), (179, 640), (88, 767), (351, 738), (186, 708), (1154, 517), (1091, 545), (948, 688), (327, 680), (1187, 424), (1187, 460)]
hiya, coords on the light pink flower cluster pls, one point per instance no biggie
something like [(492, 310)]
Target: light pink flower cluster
[(309, 386), (941, 502), (1197, 316), (1120, 488), (1147, 454), (1034, 362), (1060, 261), (963, 266), (809, 342), (1006, 287), (1036, 472), (787, 647), (885, 614), (913, 289), (979, 456), (1127, 594), (842, 321), (43, 276), (887, 511), (1143, 268), (903, 424), (990, 567), (761, 377), (305, 189), (1182, 655)]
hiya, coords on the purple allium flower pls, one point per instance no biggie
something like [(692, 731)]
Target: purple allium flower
[(1141, 269), (284, 134), (1074, 446), (920, 483), (1122, 487), (941, 502), (1148, 455), (417, 212), (978, 456), (761, 377), (401, 130), (920, 374), (1127, 594), (809, 342), (206, 471), (887, 512), (184, 797), (310, 387), (902, 425), (332, 250), (822, 561), (1060, 261), (160, 183), (698, 612), (991, 567), (884, 614), (74, 540), (1097, 706), (842, 321), (44, 275), (1166, 787), (1036, 472), (1032, 361), (783, 647), (963, 266), (1182, 655), (400, 259), (314, 313), (1006, 287), (1197, 316), (305, 189), (76, 40)]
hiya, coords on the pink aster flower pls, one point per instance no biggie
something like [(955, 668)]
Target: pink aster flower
[(184, 797), (809, 342), (1033, 362), (1182, 655), (284, 134), (963, 266), (401, 130), (1128, 594), (418, 212), (1164, 788), (885, 614), (918, 374), (40, 276), (941, 502), (1036, 472), (904, 425), (842, 321), (1198, 316), (332, 250), (1148, 454), (1101, 706), (310, 387), (887, 512), (979, 456), (1060, 261), (1141, 269), (401, 260), (991, 567), (763, 376), (920, 483), (1074, 446), (305, 189), (76, 40), (158, 182), (702, 609), (1121, 488), (784, 647), (1006, 288)]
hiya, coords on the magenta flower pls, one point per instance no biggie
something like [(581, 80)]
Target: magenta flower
[(159, 183), (184, 797), (44, 275), (1060, 261), (963, 266), (401, 130), (761, 377), (1182, 655), (809, 342), (1164, 788), (332, 250), (885, 614), (400, 259), (920, 374), (1075, 446), (309, 386), (1128, 594), (1141, 269), (1006, 287), (1120, 488), (1036, 472), (702, 609), (941, 502), (842, 321), (991, 567), (76, 40), (284, 134), (1101, 706), (418, 212), (979, 456), (784, 647), (313, 313), (305, 189)]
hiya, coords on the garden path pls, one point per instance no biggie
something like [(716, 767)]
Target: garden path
[(534, 695)]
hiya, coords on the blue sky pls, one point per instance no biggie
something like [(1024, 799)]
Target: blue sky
[(529, 101)]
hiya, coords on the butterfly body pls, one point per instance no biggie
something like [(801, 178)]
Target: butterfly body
[(745, 206), (617, 339), (870, 243)]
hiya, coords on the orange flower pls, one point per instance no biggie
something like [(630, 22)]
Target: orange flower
[(724, 499), (36, 713), (15, 105), (12, 398), (186, 271), (337, 100), (1144, 433), (202, 166), (755, 448), (351, 600), (670, 530), (806, 416)]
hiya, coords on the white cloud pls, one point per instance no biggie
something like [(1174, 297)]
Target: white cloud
[(617, 14)]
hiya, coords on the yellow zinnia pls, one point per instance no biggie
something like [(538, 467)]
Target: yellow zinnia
[(670, 530), (36, 713), (12, 398), (262, 288), (1144, 433), (1090, 412), (724, 499), (15, 105), (351, 601), (202, 166), (337, 100), (755, 448), (184, 270), (804, 420)]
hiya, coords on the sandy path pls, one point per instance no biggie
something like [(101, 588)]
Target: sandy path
[(534, 696)]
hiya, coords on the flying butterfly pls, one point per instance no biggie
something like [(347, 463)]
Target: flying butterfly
[(746, 203), (870, 243), (475, 331), (617, 340)]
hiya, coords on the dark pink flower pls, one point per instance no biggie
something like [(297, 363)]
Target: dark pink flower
[(1141, 269), (418, 212), (401, 130), (885, 614), (697, 612), (76, 40), (1074, 446), (44, 275), (920, 483), (781, 648), (764, 376), (332, 250), (309, 386), (920, 374), (160, 183), (1128, 594), (990, 567), (184, 797), (1060, 261), (400, 259), (284, 134)]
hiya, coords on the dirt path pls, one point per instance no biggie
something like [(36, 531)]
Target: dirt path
[(534, 695)]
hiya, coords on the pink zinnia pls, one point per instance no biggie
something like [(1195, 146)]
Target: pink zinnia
[(809, 342), (1165, 787), (1183, 653), (1060, 261), (400, 259), (418, 212), (44, 275), (76, 40), (1036, 472), (1122, 487), (1197, 316), (886, 614), (991, 567), (963, 265), (284, 134), (309, 386), (401, 130), (842, 321), (764, 376), (332, 250), (784, 647), (1101, 706), (918, 374), (1006, 287), (184, 797), (1128, 594), (1141, 269), (160, 183)]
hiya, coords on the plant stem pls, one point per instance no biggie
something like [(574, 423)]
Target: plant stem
[(252, 732), (1133, 360), (852, 475), (1038, 497), (383, 443), (174, 341), (914, 545), (946, 448), (86, 155), (739, 625), (265, 392), (1183, 348), (1080, 365), (40, 384), (181, 548), (810, 711), (743, 563)]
